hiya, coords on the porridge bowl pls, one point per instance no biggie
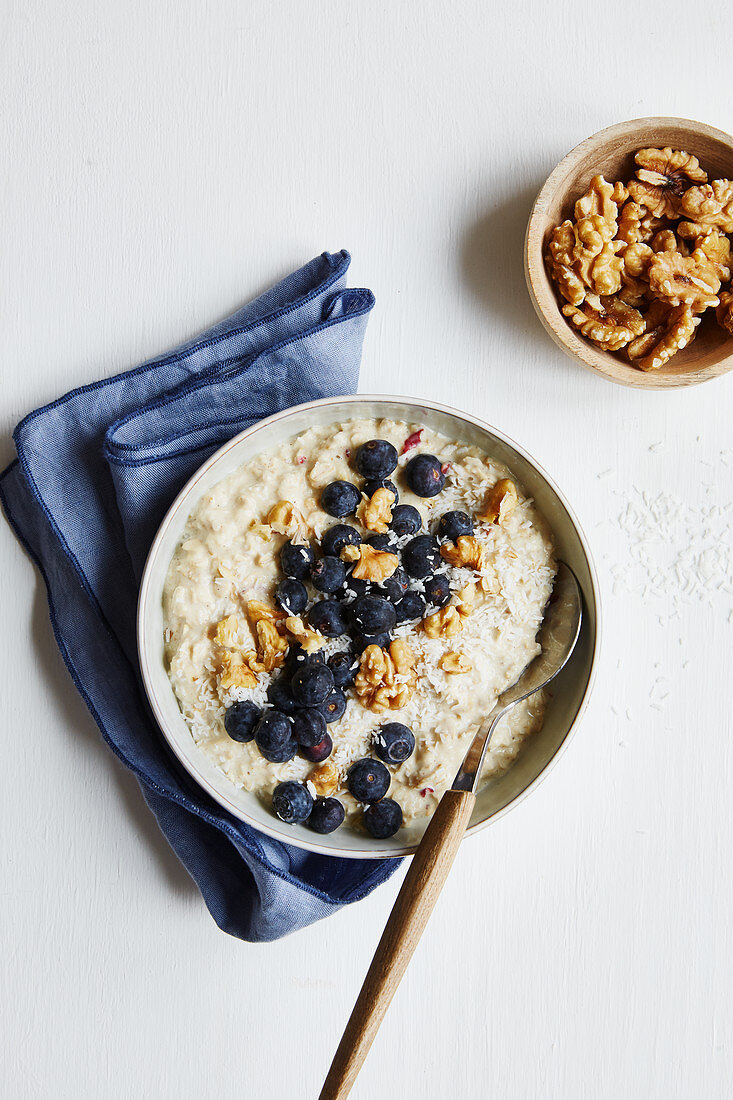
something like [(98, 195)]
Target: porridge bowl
[(191, 646)]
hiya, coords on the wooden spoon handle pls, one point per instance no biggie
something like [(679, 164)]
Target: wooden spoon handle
[(415, 902)]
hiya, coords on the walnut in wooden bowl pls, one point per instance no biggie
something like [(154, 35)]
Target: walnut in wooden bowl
[(627, 255)]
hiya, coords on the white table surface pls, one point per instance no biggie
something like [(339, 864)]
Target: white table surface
[(166, 161)]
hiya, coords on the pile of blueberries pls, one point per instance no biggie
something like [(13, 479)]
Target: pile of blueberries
[(310, 693)]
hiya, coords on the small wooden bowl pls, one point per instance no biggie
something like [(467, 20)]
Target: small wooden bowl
[(611, 152)]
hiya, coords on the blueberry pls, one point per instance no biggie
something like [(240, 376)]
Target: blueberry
[(298, 656), (340, 498), (395, 586), (309, 727), (273, 730), (372, 614), (327, 814), (353, 587), (339, 536), (281, 753), (328, 617), (240, 720), (371, 487), (328, 574), (406, 520), (410, 607), (420, 556), (424, 475), (344, 667), (295, 560), (280, 695), (383, 819), (316, 753), (361, 641), (382, 542), (393, 743), (292, 802), (292, 596), (368, 780), (312, 684), (437, 589), (376, 459), (454, 524), (334, 705)]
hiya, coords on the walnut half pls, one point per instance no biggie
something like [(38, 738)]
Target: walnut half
[(445, 623), (669, 329), (386, 677), (465, 553), (375, 512), (371, 564), (288, 520), (500, 502)]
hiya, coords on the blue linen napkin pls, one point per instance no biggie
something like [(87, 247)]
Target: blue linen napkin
[(94, 475)]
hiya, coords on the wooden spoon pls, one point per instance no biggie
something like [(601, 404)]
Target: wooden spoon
[(437, 850)]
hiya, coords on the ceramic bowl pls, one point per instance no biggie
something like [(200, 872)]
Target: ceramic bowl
[(570, 690), (611, 153)]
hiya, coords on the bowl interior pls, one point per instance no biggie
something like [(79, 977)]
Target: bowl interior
[(568, 692), (611, 153)]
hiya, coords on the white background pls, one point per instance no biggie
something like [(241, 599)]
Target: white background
[(164, 162)]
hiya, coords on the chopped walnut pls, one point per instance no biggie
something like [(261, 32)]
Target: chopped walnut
[(608, 322), (724, 312), (455, 663), (375, 513), (226, 631), (662, 177), (237, 670), (715, 246), (371, 564), (560, 260), (288, 520), (465, 599), (403, 657), (669, 329), (379, 684), (710, 206), (325, 778), (465, 553), (263, 530), (271, 644), (258, 611), (310, 640), (445, 623), (602, 198), (684, 280), (501, 501)]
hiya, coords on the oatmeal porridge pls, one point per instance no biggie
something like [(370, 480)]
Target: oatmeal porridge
[(342, 612)]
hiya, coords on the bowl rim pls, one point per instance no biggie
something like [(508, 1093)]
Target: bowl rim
[(544, 299), (151, 562)]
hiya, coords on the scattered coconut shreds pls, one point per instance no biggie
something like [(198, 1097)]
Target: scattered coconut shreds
[(676, 552), (497, 637)]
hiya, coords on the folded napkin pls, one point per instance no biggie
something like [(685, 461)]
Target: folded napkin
[(94, 474)]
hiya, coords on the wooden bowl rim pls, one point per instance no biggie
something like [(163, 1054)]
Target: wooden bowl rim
[(543, 296)]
